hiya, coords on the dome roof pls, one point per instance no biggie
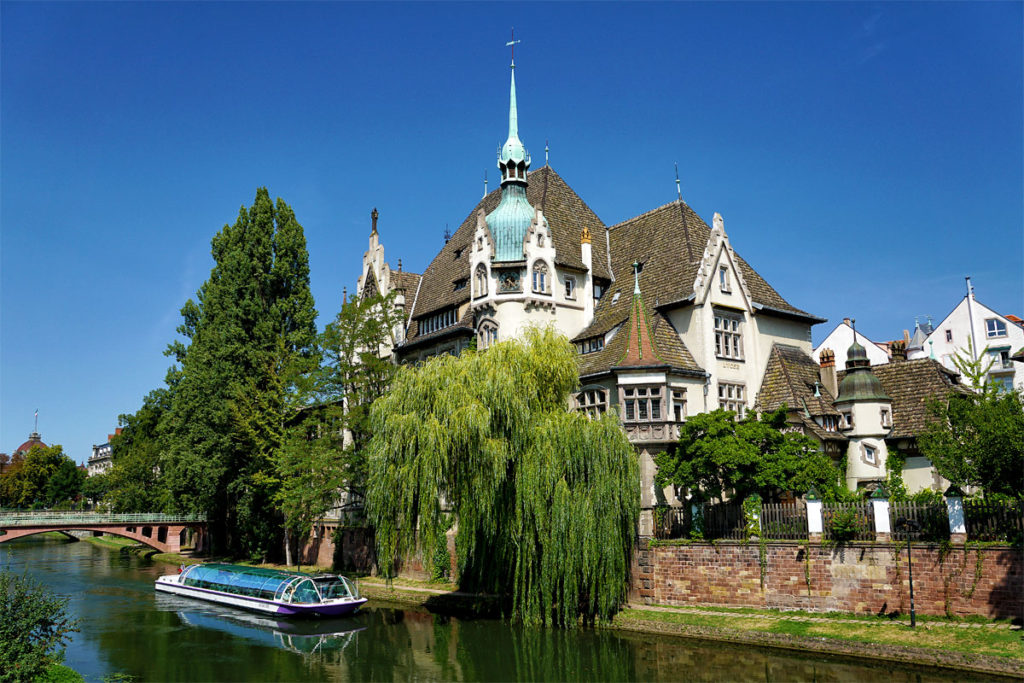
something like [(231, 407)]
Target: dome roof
[(33, 440), (859, 384), (509, 222)]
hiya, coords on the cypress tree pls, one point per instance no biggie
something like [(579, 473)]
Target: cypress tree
[(250, 334)]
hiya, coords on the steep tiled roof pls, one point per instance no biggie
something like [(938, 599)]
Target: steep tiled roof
[(567, 215), (407, 283), (912, 384), (670, 350), (790, 378), (669, 242)]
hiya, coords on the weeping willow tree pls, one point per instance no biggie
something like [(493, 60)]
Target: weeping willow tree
[(545, 500)]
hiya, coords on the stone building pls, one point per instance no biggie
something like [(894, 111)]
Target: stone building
[(669, 319)]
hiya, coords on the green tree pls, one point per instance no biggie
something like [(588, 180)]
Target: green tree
[(25, 482), (719, 456), (974, 369), (250, 334), (34, 628), (978, 440), (96, 487), (545, 500), (65, 484)]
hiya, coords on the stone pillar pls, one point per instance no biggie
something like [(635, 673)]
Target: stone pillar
[(815, 525), (955, 510), (880, 505)]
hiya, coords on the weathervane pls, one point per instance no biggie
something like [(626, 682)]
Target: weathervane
[(512, 44), (679, 192)]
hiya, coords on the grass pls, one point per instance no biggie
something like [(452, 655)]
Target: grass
[(58, 673), (890, 618), (996, 642)]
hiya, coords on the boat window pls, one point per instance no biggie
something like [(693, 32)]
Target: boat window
[(305, 593), (333, 587)]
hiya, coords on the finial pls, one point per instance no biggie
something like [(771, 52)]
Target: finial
[(485, 182), (399, 265), (718, 223), (344, 295), (585, 235), (679, 192), (373, 218), (447, 234), (546, 149), (35, 429), (636, 278), (931, 349), (512, 44), (853, 324)]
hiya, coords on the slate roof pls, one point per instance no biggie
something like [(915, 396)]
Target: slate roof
[(912, 384), (669, 242), (789, 377), (669, 350), (567, 215)]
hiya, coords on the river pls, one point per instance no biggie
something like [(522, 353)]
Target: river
[(129, 629)]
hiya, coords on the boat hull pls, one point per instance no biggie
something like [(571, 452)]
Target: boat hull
[(333, 608)]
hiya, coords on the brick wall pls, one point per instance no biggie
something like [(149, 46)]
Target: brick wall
[(862, 578)]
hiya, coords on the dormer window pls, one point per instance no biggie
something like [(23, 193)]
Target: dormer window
[(438, 321), (886, 417), (461, 283), (592, 345), (458, 252)]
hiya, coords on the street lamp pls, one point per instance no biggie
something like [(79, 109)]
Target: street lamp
[(908, 526)]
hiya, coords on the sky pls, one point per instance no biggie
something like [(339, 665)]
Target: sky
[(866, 157)]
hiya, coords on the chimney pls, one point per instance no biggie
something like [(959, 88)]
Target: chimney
[(898, 350), (827, 371), (846, 321)]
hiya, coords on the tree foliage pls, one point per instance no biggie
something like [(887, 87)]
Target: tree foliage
[(545, 500), (134, 480), (250, 335), (978, 440), (42, 477), (34, 628), (719, 456)]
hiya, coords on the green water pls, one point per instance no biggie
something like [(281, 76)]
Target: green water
[(127, 628)]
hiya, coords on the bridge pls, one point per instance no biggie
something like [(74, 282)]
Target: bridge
[(166, 533)]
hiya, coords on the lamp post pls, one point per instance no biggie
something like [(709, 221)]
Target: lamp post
[(909, 526)]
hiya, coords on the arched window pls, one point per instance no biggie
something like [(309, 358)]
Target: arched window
[(487, 334), (540, 277), (480, 286)]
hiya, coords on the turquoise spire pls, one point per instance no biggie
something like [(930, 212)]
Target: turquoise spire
[(511, 219)]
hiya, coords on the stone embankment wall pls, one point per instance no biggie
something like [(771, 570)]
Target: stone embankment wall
[(869, 578)]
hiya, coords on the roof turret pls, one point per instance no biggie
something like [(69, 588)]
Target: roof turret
[(511, 219), (860, 383)]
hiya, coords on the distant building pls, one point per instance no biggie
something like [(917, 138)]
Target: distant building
[(102, 459), (973, 325), (33, 440), (839, 340)]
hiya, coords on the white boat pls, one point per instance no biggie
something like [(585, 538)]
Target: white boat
[(267, 591)]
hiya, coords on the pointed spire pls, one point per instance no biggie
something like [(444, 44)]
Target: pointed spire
[(546, 150), (485, 182), (513, 110), (636, 278), (679, 191), (640, 348)]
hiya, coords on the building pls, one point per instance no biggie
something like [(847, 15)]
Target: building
[(974, 329), (864, 412), (102, 458), (669, 319), (840, 339)]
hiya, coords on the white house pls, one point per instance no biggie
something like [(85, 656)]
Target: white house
[(840, 339), (971, 325)]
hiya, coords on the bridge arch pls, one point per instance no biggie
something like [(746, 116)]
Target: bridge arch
[(165, 538)]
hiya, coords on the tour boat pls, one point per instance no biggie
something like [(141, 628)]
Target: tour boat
[(268, 591)]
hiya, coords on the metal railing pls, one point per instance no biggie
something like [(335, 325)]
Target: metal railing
[(41, 518)]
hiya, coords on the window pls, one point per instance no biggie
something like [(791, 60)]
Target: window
[(728, 338), (723, 280), (641, 404), (886, 418), (598, 291), (1000, 358), (540, 277), (615, 297), (591, 345), (487, 335), (593, 402), (869, 455), (458, 252), (1002, 383), (540, 239), (679, 405), (847, 421), (829, 423), (949, 336), (461, 283), (994, 327), (570, 288), (437, 321), (732, 397), (480, 280)]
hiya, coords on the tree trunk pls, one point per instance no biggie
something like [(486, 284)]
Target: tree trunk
[(287, 547)]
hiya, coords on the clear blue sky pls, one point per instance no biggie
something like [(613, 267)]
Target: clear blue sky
[(865, 157)]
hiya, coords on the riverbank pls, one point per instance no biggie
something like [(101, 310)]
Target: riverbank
[(978, 645), (982, 646)]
